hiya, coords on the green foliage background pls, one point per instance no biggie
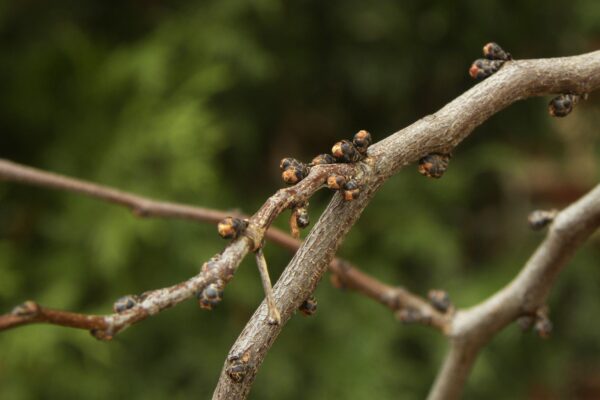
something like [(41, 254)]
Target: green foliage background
[(196, 102)]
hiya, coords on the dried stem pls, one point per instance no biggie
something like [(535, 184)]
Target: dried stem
[(261, 262), (396, 299)]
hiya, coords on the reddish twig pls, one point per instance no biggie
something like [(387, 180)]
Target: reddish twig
[(394, 298), (219, 269)]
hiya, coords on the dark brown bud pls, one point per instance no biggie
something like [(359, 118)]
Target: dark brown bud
[(492, 51), (434, 165), (288, 162), (482, 68), (309, 306), (351, 190), (125, 303), (27, 309), (336, 182), (295, 171), (362, 140), (562, 105), (211, 295), (231, 228), (440, 300), (298, 220), (323, 159), (539, 219), (344, 151), (238, 367)]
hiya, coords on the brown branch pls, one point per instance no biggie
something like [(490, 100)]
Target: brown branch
[(30, 312), (349, 276), (437, 133), (140, 206), (473, 328), (396, 299), (219, 269)]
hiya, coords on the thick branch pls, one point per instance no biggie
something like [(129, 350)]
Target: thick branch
[(439, 132), (471, 329)]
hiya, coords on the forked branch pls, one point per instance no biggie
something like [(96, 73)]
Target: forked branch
[(436, 133), (473, 328)]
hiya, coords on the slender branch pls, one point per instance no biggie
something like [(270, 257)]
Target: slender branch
[(140, 206), (220, 268), (396, 299), (473, 328), (347, 275), (437, 133), (30, 312)]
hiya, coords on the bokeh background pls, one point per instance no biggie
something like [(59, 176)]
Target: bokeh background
[(196, 102)]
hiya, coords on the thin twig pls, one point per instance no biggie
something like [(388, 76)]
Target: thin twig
[(261, 262), (220, 268), (348, 275)]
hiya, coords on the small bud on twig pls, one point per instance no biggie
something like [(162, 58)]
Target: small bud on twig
[(231, 228), (492, 51), (539, 219), (362, 140), (26, 309), (239, 366), (293, 170), (323, 159), (351, 190), (299, 220), (482, 68), (344, 151), (440, 300), (543, 327), (302, 217), (309, 306), (211, 295), (562, 105), (125, 303), (434, 165), (539, 320), (336, 182)]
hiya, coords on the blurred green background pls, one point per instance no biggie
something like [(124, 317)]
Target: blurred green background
[(196, 102)]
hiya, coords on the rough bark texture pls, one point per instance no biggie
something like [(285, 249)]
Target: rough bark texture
[(439, 132)]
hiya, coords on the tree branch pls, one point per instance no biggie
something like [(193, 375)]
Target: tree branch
[(437, 133), (473, 328), (219, 269), (348, 276)]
